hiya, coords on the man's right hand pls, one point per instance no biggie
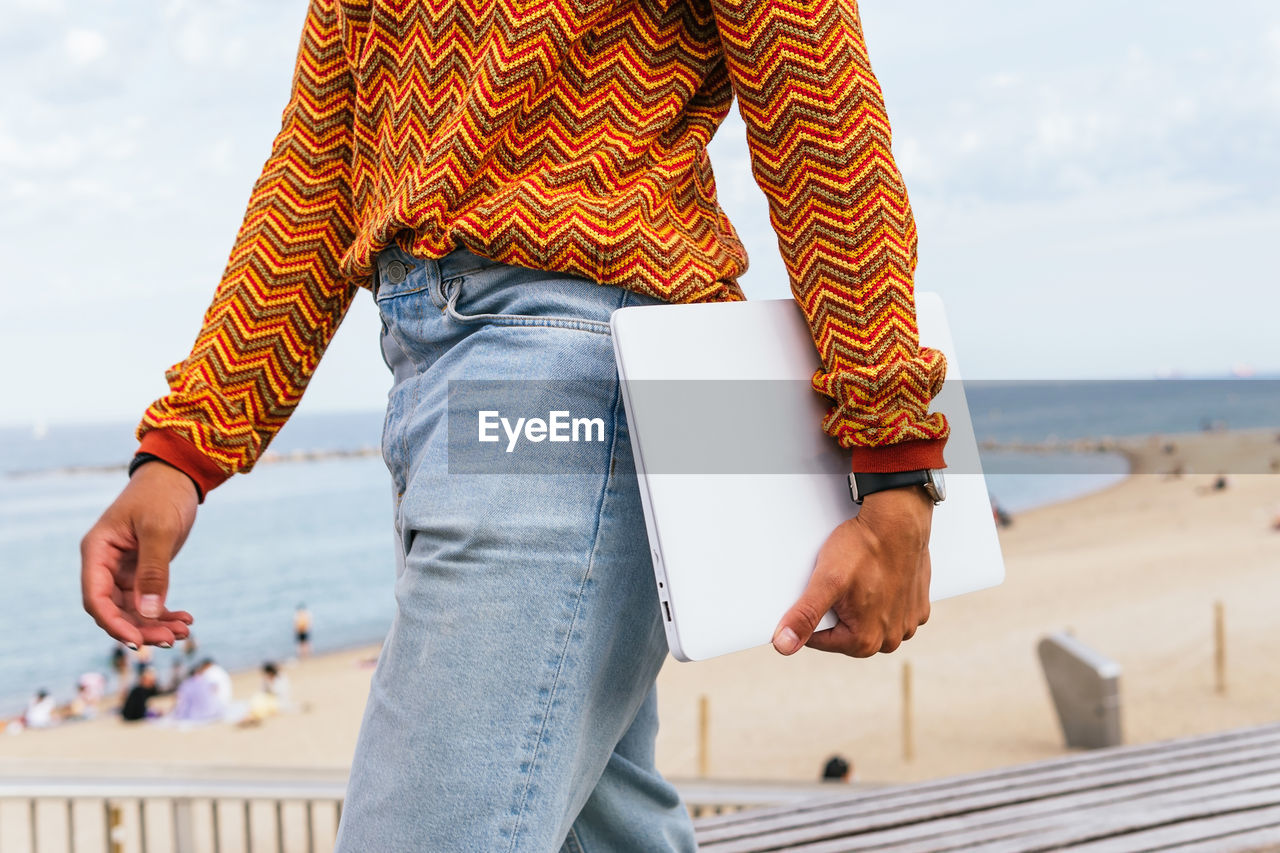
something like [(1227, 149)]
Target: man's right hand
[(124, 558)]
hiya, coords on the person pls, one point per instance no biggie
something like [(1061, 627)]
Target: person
[(219, 679), (1000, 515), (120, 670), (501, 178), (302, 630), (837, 769), (142, 657), (200, 698), (39, 713), (271, 699), (135, 704), (176, 673), (90, 688), (189, 649), (275, 683)]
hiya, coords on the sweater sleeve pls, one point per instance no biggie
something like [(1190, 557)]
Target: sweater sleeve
[(820, 151), (282, 296)]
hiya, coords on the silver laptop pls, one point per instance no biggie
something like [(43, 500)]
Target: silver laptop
[(740, 485)]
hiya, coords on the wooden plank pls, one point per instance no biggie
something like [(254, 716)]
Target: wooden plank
[(1265, 840), (1095, 827), (1260, 827), (1189, 798), (885, 812), (835, 836), (1112, 799), (1216, 833), (1009, 777), (1064, 765), (993, 822)]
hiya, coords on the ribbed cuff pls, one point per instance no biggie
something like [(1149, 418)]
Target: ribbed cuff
[(181, 454), (904, 456)]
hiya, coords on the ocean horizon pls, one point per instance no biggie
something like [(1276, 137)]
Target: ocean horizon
[(318, 531)]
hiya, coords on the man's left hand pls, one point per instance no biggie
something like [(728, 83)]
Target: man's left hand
[(873, 571)]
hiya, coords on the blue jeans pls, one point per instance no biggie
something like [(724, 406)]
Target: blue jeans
[(513, 705)]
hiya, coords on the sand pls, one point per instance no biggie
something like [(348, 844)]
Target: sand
[(1132, 571)]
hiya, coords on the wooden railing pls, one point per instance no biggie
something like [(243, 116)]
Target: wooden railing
[(173, 809)]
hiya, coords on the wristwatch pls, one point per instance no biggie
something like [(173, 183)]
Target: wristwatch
[(863, 484)]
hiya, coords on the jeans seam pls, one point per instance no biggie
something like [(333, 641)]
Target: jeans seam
[(573, 842), (573, 621), (531, 321)]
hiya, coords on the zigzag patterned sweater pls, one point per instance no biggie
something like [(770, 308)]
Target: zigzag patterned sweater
[(566, 135)]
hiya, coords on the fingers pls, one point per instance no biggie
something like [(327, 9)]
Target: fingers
[(843, 639), (799, 623), (100, 598), (873, 618), (157, 542), (124, 558), (179, 616), (107, 580), (99, 561)]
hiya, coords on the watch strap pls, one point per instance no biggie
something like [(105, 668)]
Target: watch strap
[(142, 458), (868, 483)]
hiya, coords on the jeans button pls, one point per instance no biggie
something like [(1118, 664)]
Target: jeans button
[(396, 272)]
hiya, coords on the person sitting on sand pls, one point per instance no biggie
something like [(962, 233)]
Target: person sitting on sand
[(120, 669), (199, 697), (1220, 484), (221, 681), (142, 659), (135, 704), (272, 699), (39, 713), (837, 769), (275, 683), (90, 689)]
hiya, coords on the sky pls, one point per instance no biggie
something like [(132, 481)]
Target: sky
[(1097, 186)]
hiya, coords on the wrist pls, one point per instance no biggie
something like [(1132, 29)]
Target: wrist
[(180, 453), (147, 466), (901, 517)]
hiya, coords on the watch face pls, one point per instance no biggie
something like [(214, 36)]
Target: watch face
[(939, 484)]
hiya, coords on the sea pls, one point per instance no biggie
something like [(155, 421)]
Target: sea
[(316, 530)]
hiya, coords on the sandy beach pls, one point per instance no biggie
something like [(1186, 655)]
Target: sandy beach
[(1132, 571)]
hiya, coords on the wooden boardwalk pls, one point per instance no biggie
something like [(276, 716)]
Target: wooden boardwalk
[(1217, 792)]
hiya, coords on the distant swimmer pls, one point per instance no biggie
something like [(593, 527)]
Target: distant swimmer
[(302, 630)]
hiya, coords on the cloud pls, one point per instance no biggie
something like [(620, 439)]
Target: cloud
[(41, 6), (85, 46), (1057, 160), (1032, 104)]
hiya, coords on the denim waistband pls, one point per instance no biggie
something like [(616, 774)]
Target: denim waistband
[(397, 271)]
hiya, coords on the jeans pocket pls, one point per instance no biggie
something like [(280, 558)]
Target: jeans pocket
[(459, 297)]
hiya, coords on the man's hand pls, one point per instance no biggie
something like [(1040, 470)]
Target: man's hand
[(873, 570), (124, 558)]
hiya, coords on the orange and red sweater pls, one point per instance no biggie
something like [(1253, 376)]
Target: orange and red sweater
[(566, 135)]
